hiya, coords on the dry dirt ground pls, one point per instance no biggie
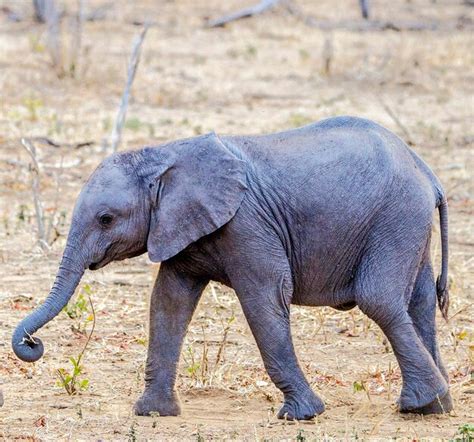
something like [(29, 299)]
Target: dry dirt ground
[(255, 76)]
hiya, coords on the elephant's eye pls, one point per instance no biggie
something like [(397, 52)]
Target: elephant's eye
[(106, 219)]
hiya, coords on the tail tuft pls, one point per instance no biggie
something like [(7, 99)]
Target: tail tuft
[(443, 298)]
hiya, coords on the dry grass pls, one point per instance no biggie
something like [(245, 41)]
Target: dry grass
[(256, 76)]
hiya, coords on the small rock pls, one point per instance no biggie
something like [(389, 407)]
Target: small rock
[(1, 399)]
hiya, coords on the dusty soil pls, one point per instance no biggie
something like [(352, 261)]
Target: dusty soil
[(255, 76)]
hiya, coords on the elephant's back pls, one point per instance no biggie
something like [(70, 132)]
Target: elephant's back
[(334, 155), (340, 155), (335, 141)]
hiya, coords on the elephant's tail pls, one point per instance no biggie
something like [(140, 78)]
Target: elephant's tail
[(442, 280)]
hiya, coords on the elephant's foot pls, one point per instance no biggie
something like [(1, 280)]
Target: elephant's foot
[(161, 404), (426, 398), (439, 405), (301, 407)]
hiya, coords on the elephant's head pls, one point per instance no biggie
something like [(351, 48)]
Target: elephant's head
[(158, 200)]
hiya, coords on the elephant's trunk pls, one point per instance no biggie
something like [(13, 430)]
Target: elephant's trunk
[(31, 349)]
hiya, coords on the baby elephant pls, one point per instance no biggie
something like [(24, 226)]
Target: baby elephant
[(337, 213)]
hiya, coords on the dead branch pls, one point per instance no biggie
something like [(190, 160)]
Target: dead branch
[(34, 168), (243, 13), (132, 69), (58, 144)]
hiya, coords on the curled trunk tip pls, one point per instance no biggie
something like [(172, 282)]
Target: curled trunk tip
[(27, 348)]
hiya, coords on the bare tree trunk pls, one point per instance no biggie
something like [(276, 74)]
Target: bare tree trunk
[(132, 69), (364, 7)]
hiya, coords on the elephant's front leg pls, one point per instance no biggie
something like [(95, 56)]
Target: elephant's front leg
[(265, 297), (173, 301)]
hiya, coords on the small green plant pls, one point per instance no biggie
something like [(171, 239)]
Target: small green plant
[(33, 105), (132, 432), (35, 44), (458, 337), (250, 51), (300, 437), (199, 437), (134, 124), (304, 54), (358, 386), (141, 340), (79, 311), (23, 215), (465, 433), (197, 130), (193, 366), (71, 379)]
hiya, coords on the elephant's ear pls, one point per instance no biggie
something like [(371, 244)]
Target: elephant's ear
[(200, 190)]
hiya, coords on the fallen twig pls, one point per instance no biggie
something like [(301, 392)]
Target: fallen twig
[(260, 7), (58, 144), (132, 69)]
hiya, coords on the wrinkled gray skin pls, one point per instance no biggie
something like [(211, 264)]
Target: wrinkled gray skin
[(337, 213)]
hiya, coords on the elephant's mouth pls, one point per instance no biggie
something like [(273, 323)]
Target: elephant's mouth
[(106, 258), (110, 256), (98, 265)]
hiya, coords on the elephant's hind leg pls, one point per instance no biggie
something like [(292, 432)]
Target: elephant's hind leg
[(385, 277), (422, 311)]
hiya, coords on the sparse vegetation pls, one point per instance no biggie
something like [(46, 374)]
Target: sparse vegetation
[(79, 311), (72, 380), (465, 433), (257, 76)]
